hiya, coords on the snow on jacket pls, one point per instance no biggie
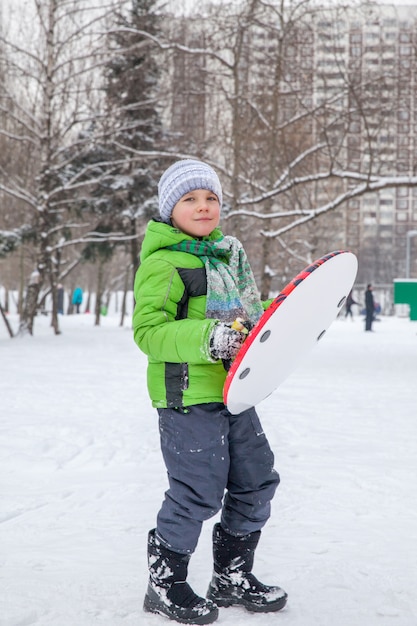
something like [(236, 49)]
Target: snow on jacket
[(169, 321)]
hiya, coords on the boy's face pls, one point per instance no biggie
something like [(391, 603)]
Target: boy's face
[(197, 213)]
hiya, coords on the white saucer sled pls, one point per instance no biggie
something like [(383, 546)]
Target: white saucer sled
[(293, 323)]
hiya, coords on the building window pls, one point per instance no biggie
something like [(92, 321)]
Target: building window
[(403, 115), (404, 141), (402, 167), (405, 37), (402, 154), (405, 63), (405, 51), (403, 128), (353, 216)]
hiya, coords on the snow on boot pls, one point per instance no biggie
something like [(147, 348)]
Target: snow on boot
[(233, 583), (168, 592)]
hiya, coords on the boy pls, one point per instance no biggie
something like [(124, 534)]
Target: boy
[(191, 285)]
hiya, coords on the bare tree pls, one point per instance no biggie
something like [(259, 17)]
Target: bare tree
[(309, 121), (294, 114), (284, 99), (53, 96)]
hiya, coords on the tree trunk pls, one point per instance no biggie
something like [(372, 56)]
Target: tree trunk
[(54, 316), (6, 307), (6, 321), (266, 277), (21, 281), (88, 303), (27, 319), (99, 293), (125, 290)]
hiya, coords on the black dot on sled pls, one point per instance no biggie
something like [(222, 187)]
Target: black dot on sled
[(342, 301), (243, 374), (265, 336), (321, 335)]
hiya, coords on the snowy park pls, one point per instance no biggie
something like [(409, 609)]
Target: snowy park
[(82, 479)]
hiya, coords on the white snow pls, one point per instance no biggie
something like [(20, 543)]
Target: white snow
[(82, 479)]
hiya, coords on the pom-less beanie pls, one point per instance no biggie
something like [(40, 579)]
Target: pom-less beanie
[(181, 178)]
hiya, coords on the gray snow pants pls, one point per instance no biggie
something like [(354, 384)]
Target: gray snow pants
[(215, 460)]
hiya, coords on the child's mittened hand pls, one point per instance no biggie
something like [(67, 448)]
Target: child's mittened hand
[(225, 342)]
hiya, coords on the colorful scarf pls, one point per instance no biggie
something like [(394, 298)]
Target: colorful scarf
[(231, 287)]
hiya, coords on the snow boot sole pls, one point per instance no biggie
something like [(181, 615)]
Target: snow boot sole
[(226, 600), (202, 614)]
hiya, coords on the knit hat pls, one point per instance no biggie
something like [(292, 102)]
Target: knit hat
[(181, 178)]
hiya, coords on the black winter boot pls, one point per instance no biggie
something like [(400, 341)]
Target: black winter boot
[(168, 592), (232, 582)]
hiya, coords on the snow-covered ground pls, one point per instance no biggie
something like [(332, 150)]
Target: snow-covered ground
[(82, 479)]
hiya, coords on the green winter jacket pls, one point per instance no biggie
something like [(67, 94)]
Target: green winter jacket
[(169, 322)]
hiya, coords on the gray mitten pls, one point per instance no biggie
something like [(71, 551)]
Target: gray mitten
[(225, 342)]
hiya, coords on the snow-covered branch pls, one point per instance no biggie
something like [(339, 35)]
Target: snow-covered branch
[(369, 186), (24, 196), (94, 237), (173, 45)]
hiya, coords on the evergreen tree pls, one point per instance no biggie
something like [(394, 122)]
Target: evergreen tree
[(132, 91), (116, 161)]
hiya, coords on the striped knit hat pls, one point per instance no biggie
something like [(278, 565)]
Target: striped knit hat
[(181, 178)]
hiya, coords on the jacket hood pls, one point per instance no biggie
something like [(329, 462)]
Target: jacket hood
[(160, 235)]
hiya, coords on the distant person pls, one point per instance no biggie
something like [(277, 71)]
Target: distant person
[(369, 307), (77, 298), (60, 299), (349, 302)]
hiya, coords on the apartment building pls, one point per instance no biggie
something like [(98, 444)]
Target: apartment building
[(377, 43), (360, 67)]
